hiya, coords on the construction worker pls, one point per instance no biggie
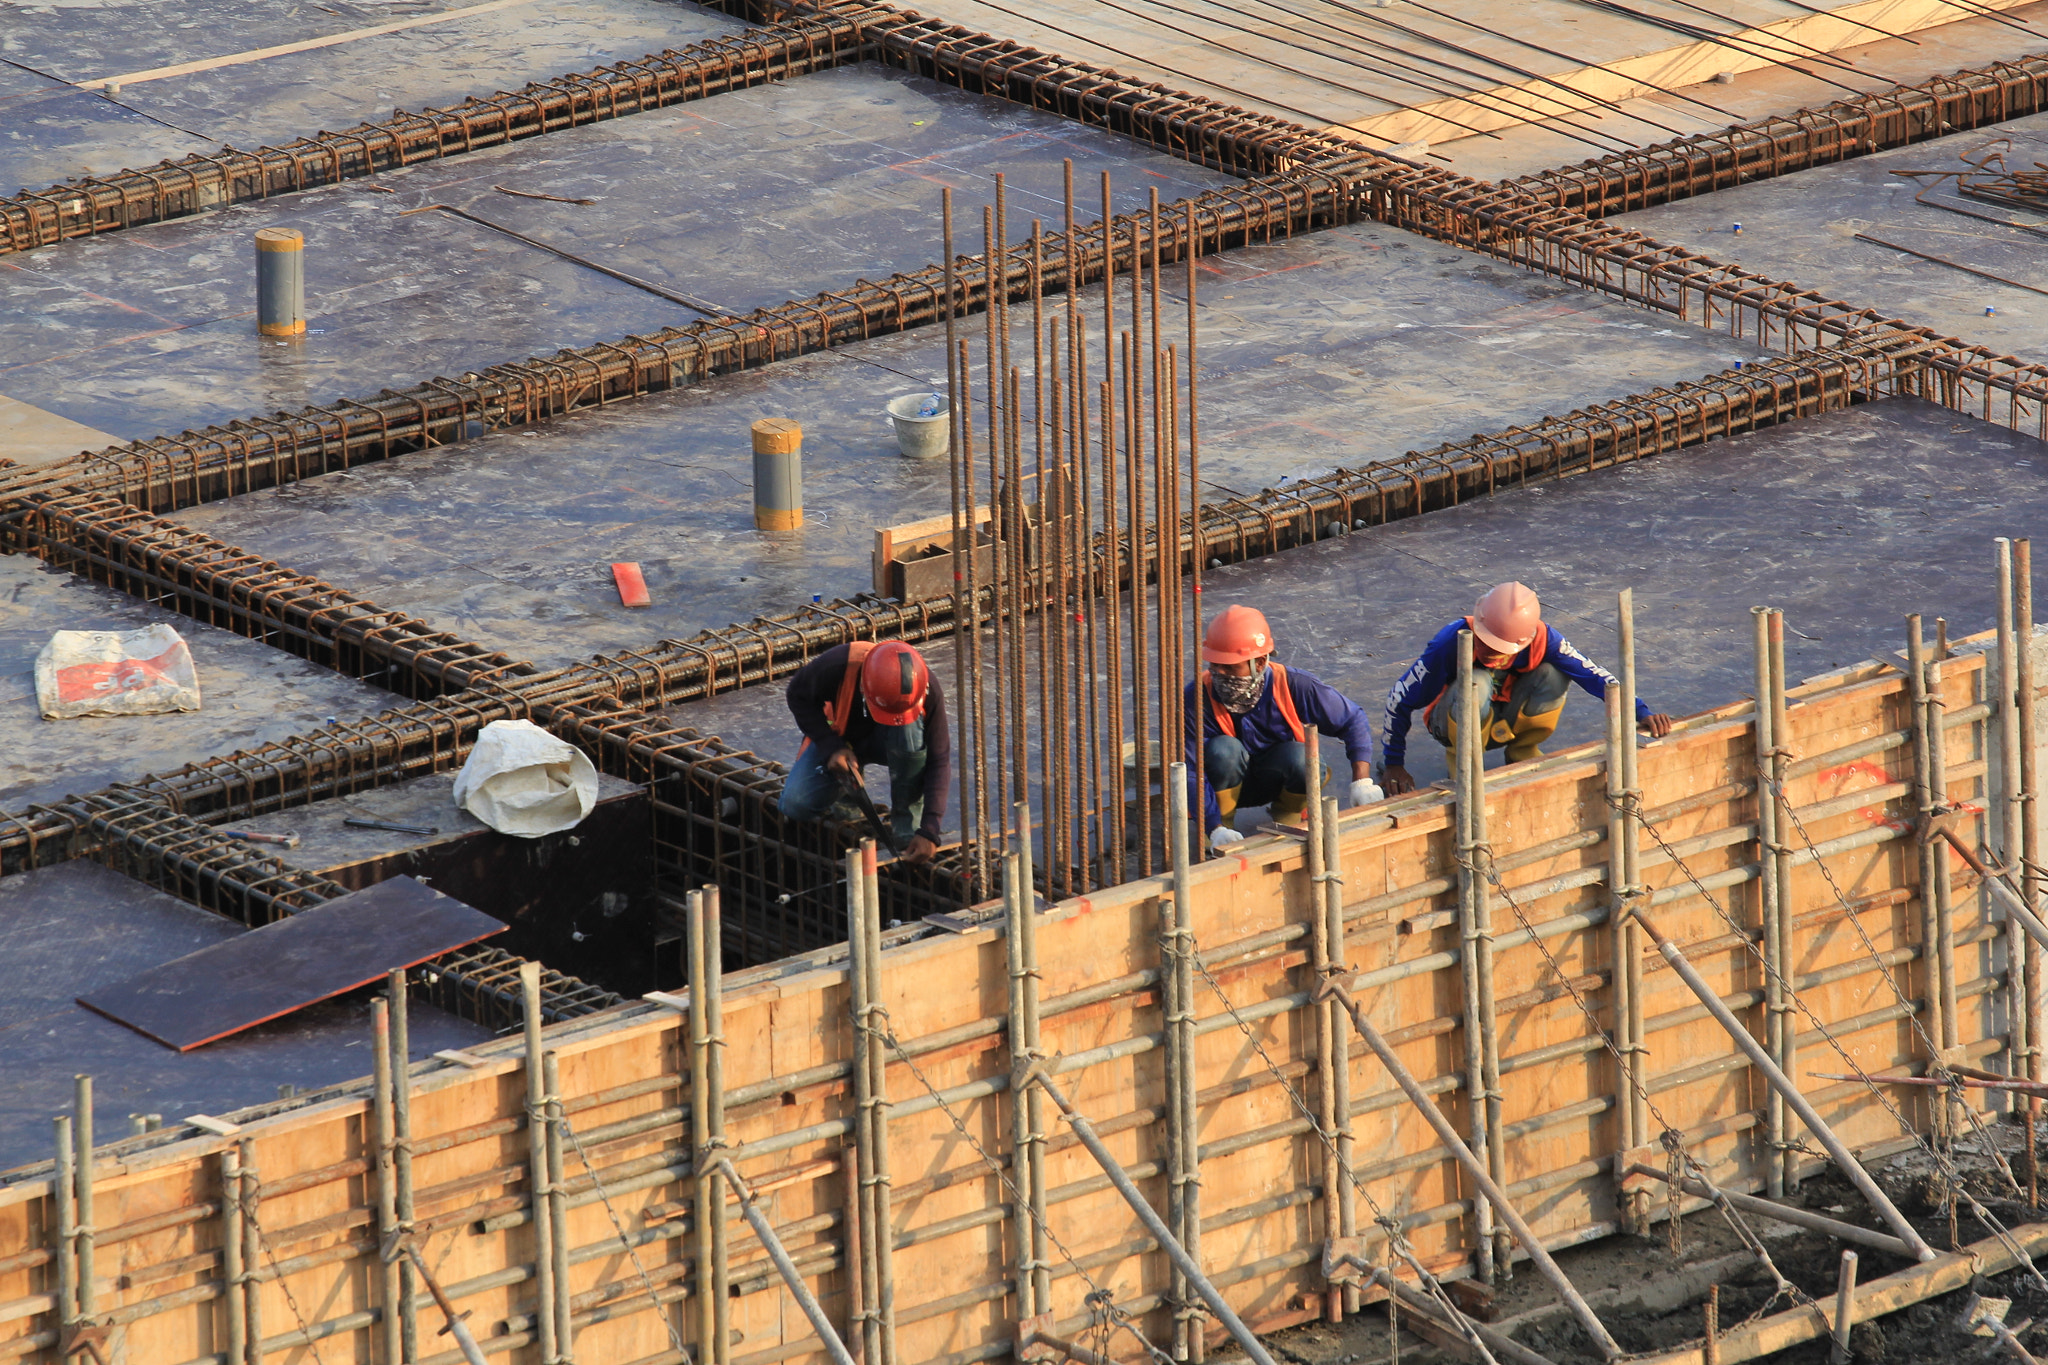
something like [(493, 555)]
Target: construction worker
[(863, 703), (1529, 668), (1249, 715)]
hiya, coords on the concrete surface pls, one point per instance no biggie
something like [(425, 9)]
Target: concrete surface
[(1846, 522), (1803, 228), (749, 199), (51, 131), (251, 692), (1341, 348), (64, 931)]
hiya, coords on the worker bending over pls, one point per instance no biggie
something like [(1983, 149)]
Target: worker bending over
[(1528, 669), (863, 703), (1249, 715)]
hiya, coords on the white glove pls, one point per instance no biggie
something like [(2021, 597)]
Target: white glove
[(1223, 836), (1365, 791)]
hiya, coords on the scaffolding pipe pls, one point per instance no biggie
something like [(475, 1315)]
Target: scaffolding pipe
[(401, 1155), (2030, 831), (558, 1205), (750, 1209), (1186, 1117), (1475, 960), (1319, 964), (2010, 805), (1770, 908), (1024, 1286), (710, 1200), (387, 1184), (1154, 1225), (537, 1167), (1783, 1213), (1944, 896), (233, 1284), (1494, 1194), (83, 1233), (1761, 1059), (1845, 1309), (64, 1195), (1333, 909), (252, 1253)]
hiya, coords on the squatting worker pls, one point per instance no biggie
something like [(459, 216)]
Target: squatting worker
[(1250, 716), (1529, 667), (866, 703)]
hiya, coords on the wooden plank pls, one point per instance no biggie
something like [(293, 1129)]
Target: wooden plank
[(315, 955)]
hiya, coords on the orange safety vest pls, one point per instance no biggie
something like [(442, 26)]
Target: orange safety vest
[(1283, 697), (1506, 684), (839, 712)]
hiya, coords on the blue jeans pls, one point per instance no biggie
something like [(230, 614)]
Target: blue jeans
[(1258, 779), (811, 793)]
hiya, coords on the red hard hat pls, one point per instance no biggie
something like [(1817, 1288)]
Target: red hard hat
[(1507, 618), (1239, 633), (894, 680)]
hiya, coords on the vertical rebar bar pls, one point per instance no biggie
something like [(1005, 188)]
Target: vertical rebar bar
[(1470, 737), (2010, 807), (558, 1205), (1769, 909), (976, 687), (64, 1194), (397, 992), (87, 1230), (1196, 623), (966, 604), (234, 1287), (1320, 967), (383, 1140), (1000, 530), (1113, 639), (537, 1166)]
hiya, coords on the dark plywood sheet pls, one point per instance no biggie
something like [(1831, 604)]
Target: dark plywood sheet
[(313, 956)]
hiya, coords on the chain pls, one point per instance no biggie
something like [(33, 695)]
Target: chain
[(675, 1338), (250, 1199), (1950, 1176), (1100, 1301), (1949, 1173), (1397, 1240)]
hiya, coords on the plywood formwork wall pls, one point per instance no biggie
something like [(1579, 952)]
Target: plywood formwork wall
[(788, 1039)]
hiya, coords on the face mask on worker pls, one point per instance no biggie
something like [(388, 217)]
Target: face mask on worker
[(1239, 695)]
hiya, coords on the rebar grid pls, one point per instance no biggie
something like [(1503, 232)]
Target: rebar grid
[(1783, 144), (92, 205)]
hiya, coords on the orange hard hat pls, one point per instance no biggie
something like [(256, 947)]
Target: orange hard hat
[(1507, 618), (894, 680), (1238, 634)]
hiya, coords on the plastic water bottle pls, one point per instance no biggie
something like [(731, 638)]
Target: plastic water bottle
[(930, 406)]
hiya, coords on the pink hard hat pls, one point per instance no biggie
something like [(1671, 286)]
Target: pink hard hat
[(1507, 618)]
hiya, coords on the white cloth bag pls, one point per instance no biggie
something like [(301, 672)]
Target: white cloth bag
[(115, 673), (522, 780)]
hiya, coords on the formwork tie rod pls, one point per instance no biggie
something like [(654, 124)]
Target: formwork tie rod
[(750, 1209), (1782, 1083), (1475, 1168), (1154, 1224)]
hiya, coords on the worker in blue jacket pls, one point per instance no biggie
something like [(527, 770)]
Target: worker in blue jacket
[(1247, 719), (1530, 668)]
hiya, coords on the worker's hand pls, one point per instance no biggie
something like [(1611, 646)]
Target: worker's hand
[(920, 851), (1365, 791), (1396, 780), (1222, 837), (844, 765), (1658, 725)]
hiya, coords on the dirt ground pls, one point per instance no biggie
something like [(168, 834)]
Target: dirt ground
[(1652, 1300)]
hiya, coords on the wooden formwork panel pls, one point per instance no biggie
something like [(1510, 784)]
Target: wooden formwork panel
[(1859, 964)]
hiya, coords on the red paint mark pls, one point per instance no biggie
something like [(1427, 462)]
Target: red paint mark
[(1087, 906), (1863, 767)]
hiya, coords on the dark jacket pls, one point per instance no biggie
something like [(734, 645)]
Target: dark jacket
[(817, 683)]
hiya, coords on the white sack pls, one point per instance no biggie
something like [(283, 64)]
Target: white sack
[(522, 780), (115, 673)]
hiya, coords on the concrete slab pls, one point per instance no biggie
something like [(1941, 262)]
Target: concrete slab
[(28, 435), (252, 693), (1846, 522), (1341, 348), (751, 198), (55, 131), (75, 927), (1803, 228)]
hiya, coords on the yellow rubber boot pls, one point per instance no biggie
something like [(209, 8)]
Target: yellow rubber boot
[(1226, 802), (1530, 731), (1288, 805)]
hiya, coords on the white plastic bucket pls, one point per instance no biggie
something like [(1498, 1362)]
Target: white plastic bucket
[(919, 438)]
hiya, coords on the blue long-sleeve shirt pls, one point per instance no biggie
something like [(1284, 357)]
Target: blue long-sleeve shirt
[(1315, 702), (1437, 669)]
